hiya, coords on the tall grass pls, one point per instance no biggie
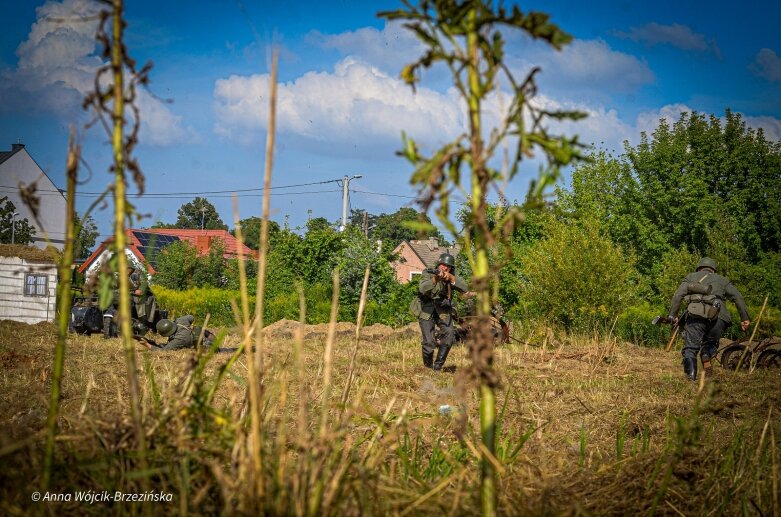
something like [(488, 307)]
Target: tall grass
[(597, 426)]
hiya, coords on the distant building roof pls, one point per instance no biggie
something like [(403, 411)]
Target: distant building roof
[(146, 244), (150, 244), (429, 250), (196, 236), (4, 155)]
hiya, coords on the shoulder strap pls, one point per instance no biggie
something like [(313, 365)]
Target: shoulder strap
[(703, 278)]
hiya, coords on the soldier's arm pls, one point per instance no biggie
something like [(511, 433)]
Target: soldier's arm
[(675, 304), (460, 285), (733, 294), (428, 286)]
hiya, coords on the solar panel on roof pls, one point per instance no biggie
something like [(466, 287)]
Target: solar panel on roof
[(152, 243)]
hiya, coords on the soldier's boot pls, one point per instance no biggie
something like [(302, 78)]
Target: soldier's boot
[(707, 368), (441, 357), (428, 359), (690, 368)]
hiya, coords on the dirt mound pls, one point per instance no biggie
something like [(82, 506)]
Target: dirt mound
[(286, 329)]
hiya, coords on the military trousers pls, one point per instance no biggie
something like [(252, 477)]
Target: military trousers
[(447, 332), (701, 337)]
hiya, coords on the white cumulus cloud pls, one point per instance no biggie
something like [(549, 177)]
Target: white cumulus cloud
[(593, 64), (57, 64), (389, 49), (356, 102)]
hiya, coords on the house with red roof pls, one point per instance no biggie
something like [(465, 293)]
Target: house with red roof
[(416, 255), (145, 244)]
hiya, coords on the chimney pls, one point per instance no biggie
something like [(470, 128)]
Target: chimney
[(202, 244), (433, 243), (16, 147)]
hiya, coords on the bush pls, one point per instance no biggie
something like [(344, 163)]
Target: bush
[(576, 276), (634, 325), (199, 302)]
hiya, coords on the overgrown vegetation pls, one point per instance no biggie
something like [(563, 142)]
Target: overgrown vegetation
[(338, 423), (586, 424)]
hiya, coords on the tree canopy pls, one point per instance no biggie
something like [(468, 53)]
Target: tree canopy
[(197, 214), (23, 231)]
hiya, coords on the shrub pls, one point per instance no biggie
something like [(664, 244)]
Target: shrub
[(199, 302), (577, 276)]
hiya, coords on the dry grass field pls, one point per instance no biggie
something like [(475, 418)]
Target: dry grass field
[(588, 426)]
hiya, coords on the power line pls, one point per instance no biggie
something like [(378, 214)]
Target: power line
[(93, 195), (174, 194)]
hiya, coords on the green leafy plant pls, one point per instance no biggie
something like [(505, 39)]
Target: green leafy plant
[(467, 38)]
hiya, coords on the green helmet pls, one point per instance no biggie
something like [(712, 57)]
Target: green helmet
[(166, 328), (447, 259), (706, 262)]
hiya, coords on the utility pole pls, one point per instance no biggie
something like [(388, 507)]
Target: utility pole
[(366, 223), (203, 215), (345, 196), (13, 226)]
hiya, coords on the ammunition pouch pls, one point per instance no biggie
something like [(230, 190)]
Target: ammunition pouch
[(705, 306)]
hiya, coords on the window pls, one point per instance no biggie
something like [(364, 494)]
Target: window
[(35, 284)]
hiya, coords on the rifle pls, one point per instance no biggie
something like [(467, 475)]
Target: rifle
[(664, 320)]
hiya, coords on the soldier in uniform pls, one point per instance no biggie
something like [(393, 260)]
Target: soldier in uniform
[(433, 306), (707, 315), (142, 300), (179, 333)]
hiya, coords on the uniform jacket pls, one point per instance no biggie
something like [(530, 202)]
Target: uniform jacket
[(721, 287), (431, 295), (183, 337)]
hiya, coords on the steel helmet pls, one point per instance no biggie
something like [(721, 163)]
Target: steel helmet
[(447, 259), (706, 262), (166, 328)]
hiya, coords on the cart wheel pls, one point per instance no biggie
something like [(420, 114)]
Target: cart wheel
[(770, 359), (731, 355)]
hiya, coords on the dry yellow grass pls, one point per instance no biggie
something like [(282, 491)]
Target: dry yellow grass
[(579, 403)]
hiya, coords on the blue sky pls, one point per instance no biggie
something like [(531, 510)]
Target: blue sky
[(342, 107)]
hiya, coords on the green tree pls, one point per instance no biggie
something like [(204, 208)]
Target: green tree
[(176, 266), (250, 230), (87, 234), (684, 186), (317, 254), (197, 214), (468, 38), (23, 231), (394, 228)]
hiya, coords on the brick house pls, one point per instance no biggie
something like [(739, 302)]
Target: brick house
[(417, 255), (144, 245)]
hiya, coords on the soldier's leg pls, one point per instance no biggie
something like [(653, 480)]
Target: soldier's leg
[(711, 344), (694, 334), (448, 332), (427, 344)]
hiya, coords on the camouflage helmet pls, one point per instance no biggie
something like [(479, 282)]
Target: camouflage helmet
[(706, 262), (166, 328), (447, 259)]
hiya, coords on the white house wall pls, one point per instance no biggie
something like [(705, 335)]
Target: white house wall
[(104, 256), (14, 305), (20, 167)]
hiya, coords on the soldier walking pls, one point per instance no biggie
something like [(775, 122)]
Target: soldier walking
[(706, 315), (433, 306)]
